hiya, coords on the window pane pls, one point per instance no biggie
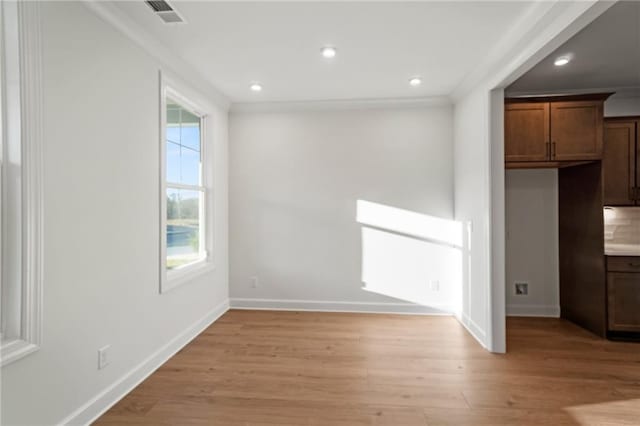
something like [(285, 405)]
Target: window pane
[(173, 162), (184, 226), (190, 135), (189, 166), (183, 132), (173, 133)]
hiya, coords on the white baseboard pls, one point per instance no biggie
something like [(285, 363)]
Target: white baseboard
[(474, 329), (550, 311), (332, 306), (95, 407)]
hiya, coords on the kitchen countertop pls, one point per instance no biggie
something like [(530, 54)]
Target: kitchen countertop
[(611, 249)]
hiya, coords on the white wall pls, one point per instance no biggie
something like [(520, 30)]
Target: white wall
[(532, 241), (101, 222), (622, 104), (471, 159), (295, 179)]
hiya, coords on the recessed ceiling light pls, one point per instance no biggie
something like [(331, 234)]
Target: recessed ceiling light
[(256, 87), (329, 52), (561, 61), (415, 81)]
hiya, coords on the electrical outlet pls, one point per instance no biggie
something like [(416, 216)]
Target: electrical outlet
[(254, 282), (103, 357), (521, 289), (435, 285)]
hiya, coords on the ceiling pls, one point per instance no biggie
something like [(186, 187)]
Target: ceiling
[(605, 55), (380, 45)]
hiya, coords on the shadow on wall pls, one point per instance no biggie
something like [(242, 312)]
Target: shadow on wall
[(412, 256)]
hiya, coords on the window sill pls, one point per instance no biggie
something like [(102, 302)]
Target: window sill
[(173, 279), (14, 350)]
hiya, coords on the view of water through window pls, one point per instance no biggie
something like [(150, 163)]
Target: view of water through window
[(184, 186)]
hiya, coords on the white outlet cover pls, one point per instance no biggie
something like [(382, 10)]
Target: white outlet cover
[(103, 357)]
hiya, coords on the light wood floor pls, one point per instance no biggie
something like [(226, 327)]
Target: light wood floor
[(294, 368)]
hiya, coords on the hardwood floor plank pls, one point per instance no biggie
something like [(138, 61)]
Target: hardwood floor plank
[(310, 368), (497, 417)]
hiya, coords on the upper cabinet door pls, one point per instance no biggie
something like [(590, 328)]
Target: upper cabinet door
[(526, 131), (619, 162), (576, 130)]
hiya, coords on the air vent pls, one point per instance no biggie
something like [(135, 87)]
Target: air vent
[(165, 12), (160, 6)]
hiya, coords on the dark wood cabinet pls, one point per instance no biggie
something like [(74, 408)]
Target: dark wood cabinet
[(623, 293), (526, 131), (555, 131), (620, 162), (582, 268), (576, 130)]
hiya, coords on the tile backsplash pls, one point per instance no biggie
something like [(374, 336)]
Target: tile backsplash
[(622, 225)]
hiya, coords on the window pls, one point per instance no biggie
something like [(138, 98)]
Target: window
[(186, 225), (20, 181)]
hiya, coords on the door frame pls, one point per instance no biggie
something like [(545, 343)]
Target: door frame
[(573, 18)]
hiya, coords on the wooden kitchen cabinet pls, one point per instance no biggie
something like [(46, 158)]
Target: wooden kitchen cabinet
[(620, 162), (526, 131), (576, 130), (553, 131), (623, 293)]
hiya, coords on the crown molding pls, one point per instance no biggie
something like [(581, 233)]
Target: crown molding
[(111, 14), (342, 105)]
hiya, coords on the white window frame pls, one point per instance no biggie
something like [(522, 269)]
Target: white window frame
[(187, 98), (21, 125)]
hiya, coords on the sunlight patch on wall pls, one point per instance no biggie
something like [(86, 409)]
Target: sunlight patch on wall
[(410, 256), (410, 223)]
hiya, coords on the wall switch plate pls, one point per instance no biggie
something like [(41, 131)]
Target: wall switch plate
[(103, 357), (435, 285), (254, 282), (521, 289)]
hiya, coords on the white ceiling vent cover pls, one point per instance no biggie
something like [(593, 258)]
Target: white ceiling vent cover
[(165, 12)]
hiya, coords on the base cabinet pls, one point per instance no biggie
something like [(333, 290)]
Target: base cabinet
[(623, 294)]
